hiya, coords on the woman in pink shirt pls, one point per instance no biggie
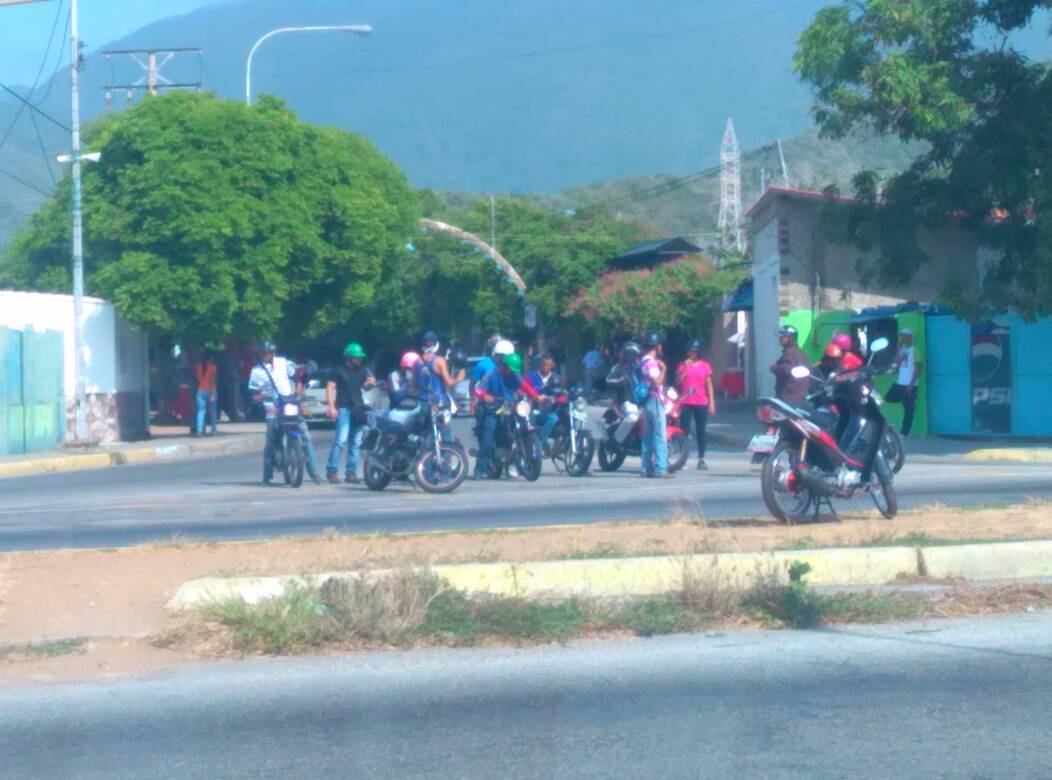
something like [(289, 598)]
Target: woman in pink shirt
[(694, 378)]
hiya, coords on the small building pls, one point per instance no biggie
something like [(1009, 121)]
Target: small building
[(653, 253), (38, 385), (801, 277)]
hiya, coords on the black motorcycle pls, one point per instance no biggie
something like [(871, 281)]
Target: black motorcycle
[(516, 442), (832, 451), (405, 443), (287, 453), (570, 445)]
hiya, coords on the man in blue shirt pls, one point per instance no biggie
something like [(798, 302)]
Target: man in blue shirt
[(498, 348), (496, 389), (545, 380)]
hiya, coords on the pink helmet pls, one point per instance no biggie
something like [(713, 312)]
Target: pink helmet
[(410, 359), (843, 341)]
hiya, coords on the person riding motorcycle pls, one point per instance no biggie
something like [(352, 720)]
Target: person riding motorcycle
[(545, 380), (271, 380), (401, 383), (620, 382), (497, 388), (433, 378)]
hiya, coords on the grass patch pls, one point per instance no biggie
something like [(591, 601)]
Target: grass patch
[(44, 649)]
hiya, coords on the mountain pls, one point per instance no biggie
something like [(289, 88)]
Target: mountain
[(482, 96)]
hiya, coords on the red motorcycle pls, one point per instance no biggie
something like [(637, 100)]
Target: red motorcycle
[(621, 432)]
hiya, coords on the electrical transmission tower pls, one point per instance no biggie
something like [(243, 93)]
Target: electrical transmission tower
[(730, 223), (152, 80)]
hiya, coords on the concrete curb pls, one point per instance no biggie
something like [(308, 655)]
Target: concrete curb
[(239, 443), (620, 577), (1016, 454)]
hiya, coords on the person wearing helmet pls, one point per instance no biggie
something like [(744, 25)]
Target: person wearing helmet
[(434, 379), (497, 388), (694, 377), (653, 443), (842, 340), (787, 387), (271, 379), (401, 383), (344, 393)]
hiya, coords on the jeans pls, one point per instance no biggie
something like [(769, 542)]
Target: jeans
[(207, 400), (654, 446), (272, 441), (696, 417), (547, 425), (487, 439), (900, 394), (348, 434)]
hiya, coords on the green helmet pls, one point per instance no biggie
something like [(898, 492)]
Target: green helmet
[(513, 362), (353, 350)]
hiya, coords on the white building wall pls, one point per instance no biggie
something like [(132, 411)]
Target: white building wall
[(766, 274)]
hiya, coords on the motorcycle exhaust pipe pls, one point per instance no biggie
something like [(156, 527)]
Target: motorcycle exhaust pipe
[(816, 482)]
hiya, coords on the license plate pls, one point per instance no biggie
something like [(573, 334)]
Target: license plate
[(763, 442)]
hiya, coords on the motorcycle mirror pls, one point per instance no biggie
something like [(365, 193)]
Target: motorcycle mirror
[(879, 345), (800, 372)]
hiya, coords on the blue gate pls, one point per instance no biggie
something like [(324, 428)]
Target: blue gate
[(32, 407)]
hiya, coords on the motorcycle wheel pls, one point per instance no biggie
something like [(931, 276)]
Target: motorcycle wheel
[(784, 503), (375, 477), (882, 491), (295, 461), (678, 450), (529, 457), (577, 465), (442, 475), (894, 450), (610, 459)]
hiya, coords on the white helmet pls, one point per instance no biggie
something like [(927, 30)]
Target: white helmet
[(503, 347)]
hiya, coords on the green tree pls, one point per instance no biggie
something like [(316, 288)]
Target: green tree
[(206, 219), (944, 72)]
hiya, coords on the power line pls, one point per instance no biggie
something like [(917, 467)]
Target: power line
[(33, 107), (25, 183), (36, 80)]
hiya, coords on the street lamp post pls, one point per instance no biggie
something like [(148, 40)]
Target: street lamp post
[(357, 29)]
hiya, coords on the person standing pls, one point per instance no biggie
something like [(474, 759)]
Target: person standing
[(205, 371), (344, 395), (904, 391), (787, 387), (654, 444), (694, 377), (434, 379), (269, 381), (592, 363)]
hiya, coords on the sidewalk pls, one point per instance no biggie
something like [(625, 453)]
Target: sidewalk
[(167, 443), (734, 428)]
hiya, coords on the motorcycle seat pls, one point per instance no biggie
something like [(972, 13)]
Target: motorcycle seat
[(397, 420), (824, 418)]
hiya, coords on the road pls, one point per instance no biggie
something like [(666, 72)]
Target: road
[(966, 698), (221, 498)]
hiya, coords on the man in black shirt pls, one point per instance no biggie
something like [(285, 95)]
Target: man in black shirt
[(343, 392), (787, 387)]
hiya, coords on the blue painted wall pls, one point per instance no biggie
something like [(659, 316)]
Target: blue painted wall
[(32, 416)]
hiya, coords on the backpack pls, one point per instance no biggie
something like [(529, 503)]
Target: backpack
[(640, 387)]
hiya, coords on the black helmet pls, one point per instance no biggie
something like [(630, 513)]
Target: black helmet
[(630, 351), (459, 357), (429, 337), (652, 339), (266, 346), (693, 346)]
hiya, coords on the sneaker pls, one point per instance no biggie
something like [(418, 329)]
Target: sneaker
[(332, 477), (316, 478), (351, 479), (702, 466)]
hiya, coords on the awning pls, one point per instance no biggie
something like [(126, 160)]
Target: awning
[(740, 299)]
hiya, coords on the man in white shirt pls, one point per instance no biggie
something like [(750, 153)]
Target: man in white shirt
[(270, 380), (904, 391)]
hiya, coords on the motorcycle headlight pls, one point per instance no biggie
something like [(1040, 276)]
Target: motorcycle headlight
[(291, 410), (580, 403), (523, 408)]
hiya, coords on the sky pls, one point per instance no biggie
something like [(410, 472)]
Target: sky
[(25, 29)]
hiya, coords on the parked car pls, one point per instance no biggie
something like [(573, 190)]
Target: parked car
[(317, 407)]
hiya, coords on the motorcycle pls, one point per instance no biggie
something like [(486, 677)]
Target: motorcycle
[(405, 443), (894, 449), (516, 442), (807, 466), (570, 445), (621, 434), (287, 453)]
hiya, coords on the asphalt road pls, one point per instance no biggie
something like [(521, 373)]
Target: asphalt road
[(221, 498), (947, 699)]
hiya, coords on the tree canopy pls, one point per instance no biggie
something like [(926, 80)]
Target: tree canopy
[(205, 218), (945, 72)]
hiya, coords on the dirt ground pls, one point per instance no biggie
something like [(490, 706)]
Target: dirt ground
[(112, 596)]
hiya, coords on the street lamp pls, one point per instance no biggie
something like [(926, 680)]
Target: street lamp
[(357, 29)]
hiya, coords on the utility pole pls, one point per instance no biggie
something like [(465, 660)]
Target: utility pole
[(80, 431), (730, 220), (781, 158), (152, 80)]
